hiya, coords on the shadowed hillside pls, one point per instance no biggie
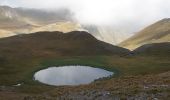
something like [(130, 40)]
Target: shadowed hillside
[(156, 49), (56, 44)]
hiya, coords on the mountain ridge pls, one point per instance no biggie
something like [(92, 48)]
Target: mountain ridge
[(76, 43), (154, 49), (155, 33), (34, 20)]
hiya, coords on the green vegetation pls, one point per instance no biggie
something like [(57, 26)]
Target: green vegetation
[(22, 56), (22, 71)]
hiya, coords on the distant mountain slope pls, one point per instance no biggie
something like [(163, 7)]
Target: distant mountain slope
[(156, 33), (10, 19), (22, 20), (154, 49), (56, 44), (4, 33), (62, 26), (42, 17)]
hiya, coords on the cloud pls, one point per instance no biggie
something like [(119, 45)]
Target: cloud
[(115, 12)]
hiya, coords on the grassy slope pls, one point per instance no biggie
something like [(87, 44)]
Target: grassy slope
[(123, 66), (156, 49), (155, 33), (20, 57)]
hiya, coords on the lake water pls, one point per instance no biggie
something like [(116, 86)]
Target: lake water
[(70, 75)]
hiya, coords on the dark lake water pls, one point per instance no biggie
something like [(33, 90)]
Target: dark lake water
[(70, 75)]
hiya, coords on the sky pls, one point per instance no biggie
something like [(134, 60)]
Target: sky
[(138, 13)]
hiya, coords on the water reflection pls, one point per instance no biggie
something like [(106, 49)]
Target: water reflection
[(70, 75)]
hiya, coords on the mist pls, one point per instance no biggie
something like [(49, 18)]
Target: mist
[(134, 14)]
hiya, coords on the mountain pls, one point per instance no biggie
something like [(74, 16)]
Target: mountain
[(16, 21), (56, 44), (156, 33), (35, 15), (10, 19), (22, 20), (43, 17), (154, 49)]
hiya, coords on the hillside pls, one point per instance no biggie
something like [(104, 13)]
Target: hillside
[(55, 44), (23, 55), (156, 33), (155, 49)]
